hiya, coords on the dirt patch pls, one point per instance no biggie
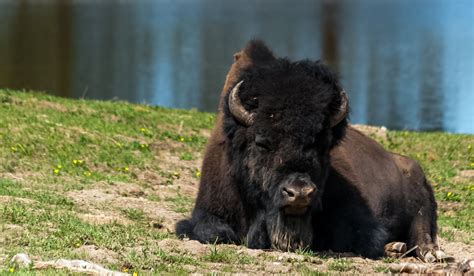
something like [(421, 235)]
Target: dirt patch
[(10, 231), (12, 199), (106, 204), (97, 255), (380, 133), (51, 105), (263, 261), (42, 104), (458, 250), (103, 219), (126, 189), (19, 175), (187, 247), (466, 176)]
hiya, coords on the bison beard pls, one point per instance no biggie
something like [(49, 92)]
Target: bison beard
[(282, 232), (284, 170)]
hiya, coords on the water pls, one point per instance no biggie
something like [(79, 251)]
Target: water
[(406, 64)]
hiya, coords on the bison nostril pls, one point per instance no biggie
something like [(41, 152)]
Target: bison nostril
[(308, 191), (288, 192)]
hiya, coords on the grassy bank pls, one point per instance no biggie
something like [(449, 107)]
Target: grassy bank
[(91, 179)]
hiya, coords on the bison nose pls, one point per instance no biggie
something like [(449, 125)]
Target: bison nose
[(296, 198), (293, 195)]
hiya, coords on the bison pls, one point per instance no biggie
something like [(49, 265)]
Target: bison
[(284, 170)]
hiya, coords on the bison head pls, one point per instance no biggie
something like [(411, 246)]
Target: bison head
[(281, 118)]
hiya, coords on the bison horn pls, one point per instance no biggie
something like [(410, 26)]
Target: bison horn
[(237, 109), (342, 110)]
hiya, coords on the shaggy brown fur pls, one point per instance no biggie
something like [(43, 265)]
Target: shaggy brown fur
[(364, 196)]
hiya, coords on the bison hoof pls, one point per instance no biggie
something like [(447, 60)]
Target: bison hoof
[(437, 256), (429, 257), (395, 249)]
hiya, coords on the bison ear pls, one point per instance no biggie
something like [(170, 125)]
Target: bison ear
[(255, 52)]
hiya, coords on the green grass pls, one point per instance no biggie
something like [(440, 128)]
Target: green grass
[(148, 258), (15, 189), (181, 203), (91, 139), (134, 214), (381, 269), (341, 265), (52, 148), (226, 255), (66, 231)]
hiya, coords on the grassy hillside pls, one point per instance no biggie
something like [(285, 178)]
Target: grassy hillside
[(105, 181)]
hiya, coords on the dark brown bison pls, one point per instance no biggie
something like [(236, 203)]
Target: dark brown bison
[(284, 170)]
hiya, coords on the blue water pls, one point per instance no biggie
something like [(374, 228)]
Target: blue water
[(406, 64)]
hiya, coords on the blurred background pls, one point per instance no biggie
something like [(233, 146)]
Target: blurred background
[(406, 64)]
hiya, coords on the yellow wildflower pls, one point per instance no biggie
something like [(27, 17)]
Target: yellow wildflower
[(472, 165), (125, 270), (87, 173), (142, 129), (449, 194), (80, 162), (198, 174), (14, 149), (181, 139), (135, 273), (125, 169), (11, 270), (60, 167), (74, 161), (469, 147), (56, 171), (77, 244)]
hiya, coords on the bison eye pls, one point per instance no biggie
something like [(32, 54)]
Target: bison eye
[(262, 142)]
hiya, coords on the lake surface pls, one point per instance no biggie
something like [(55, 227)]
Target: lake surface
[(405, 64)]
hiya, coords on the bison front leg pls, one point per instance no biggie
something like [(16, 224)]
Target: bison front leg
[(206, 228), (257, 236)]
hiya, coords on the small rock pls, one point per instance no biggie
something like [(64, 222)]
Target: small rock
[(21, 259)]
